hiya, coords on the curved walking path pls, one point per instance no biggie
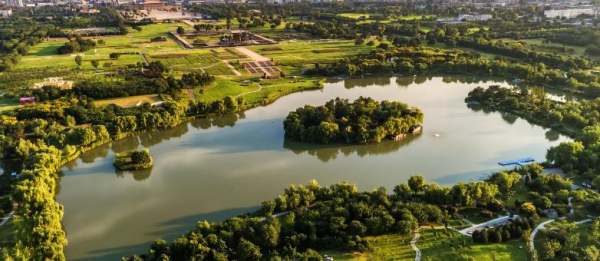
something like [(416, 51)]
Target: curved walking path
[(417, 235), (542, 226), (7, 218), (413, 245), (533, 234)]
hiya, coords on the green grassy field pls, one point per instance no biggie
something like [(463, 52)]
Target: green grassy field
[(292, 56), (387, 247), (129, 101), (449, 245), (8, 104), (135, 42), (436, 245), (539, 45), (355, 15)]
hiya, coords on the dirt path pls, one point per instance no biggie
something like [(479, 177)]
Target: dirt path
[(252, 55), (232, 68)]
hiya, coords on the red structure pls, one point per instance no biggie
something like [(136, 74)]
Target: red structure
[(26, 100)]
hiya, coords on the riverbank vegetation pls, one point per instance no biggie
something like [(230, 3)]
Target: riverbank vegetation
[(133, 160), (362, 121), (578, 119), (307, 219)]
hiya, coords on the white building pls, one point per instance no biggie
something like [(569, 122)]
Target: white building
[(474, 17), (569, 12), (5, 13)]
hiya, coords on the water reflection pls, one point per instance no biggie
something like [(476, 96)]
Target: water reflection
[(137, 175), (227, 120), (329, 152), (509, 117)]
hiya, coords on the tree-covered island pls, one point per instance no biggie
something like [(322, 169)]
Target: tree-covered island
[(133, 160), (362, 121)]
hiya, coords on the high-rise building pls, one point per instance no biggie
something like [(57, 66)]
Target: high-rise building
[(15, 3)]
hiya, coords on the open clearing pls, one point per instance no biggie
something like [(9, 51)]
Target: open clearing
[(129, 101), (291, 57), (438, 245)]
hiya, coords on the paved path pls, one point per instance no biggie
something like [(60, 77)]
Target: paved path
[(251, 54), (6, 218), (236, 72), (413, 245), (534, 233), (417, 235), (571, 209), (494, 222), (542, 226)]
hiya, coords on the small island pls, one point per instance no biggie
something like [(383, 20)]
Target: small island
[(362, 121), (133, 160)]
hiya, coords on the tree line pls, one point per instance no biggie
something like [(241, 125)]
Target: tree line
[(141, 79), (427, 60)]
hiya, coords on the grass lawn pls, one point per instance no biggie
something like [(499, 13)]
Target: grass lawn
[(254, 92), (355, 15), (222, 88), (539, 45), (386, 247), (449, 245), (292, 56), (135, 42), (8, 105), (129, 101), (413, 17), (273, 89)]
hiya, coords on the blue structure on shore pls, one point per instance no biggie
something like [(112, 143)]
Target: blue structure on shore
[(522, 161)]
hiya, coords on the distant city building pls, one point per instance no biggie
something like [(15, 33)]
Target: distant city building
[(5, 13), (569, 12), (15, 3), (465, 18)]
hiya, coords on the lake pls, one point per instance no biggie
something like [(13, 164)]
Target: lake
[(216, 168)]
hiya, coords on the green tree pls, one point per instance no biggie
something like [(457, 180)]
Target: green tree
[(95, 64), (591, 134), (249, 251), (416, 183), (78, 61)]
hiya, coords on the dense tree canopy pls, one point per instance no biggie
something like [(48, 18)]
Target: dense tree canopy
[(362, 121)]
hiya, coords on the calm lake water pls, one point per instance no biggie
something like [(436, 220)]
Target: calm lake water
[(216, 168)]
